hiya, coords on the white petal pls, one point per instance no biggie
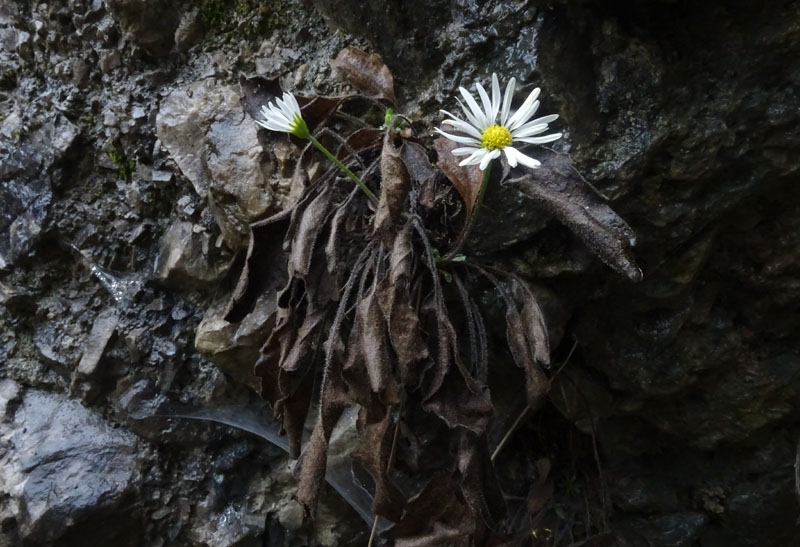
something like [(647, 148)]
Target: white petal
[(285, 108), (495, 96), (293, 103), (487, 104), (544, 119), (272, 126), (488, 157), (525, 112), (538, 122), (275, 122), (528, 130), (461, 125), (527, 161), (507, 100), (450, 114), (472, 119), (278, 120), (272, 113), (511, 156), (457, 138), (464, 151), (541, 140), (475, 158), (476, 110)]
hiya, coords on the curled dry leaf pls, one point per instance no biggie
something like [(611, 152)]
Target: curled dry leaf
[(467, 180), (433, 517), (405, 330), (478, 481), (257, 92), (526, 333), (395, 186), (541, 490), (367, 73), (559, 187), (373, 454), (305, 236)]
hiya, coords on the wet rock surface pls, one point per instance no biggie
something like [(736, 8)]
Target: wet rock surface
[(66, 470), (129, 172)]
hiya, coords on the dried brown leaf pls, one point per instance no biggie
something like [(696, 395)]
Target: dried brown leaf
[(264, 268), (374, 349), (286, 359), (257, 92), (466, 180), (333, 247), (416, 159), (478, 481), (308, 228), (265, 265), (452, 393), (405, 331), (362, 139), (526, 333), (528, 341), (312, 464), (559, 187), (542, 489), (433, 517), (395, 186), (317, 109), (368, 351), (367, 73), (373, 454)]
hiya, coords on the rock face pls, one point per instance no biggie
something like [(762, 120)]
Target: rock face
[(66, 471), (213, 141), (129, 172), (149, 24)]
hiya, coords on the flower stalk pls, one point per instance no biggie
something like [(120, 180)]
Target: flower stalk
[(462, 237)]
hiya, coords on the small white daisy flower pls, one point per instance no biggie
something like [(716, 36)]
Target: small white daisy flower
[(485, 137), (284, 116)]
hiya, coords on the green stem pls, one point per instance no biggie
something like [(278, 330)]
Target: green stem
[(462, 237), (344, 168)]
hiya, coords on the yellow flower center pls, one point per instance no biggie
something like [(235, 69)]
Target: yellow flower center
[(495, 137)]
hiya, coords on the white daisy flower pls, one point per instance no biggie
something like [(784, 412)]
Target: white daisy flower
[(484, 137), (284, 116)]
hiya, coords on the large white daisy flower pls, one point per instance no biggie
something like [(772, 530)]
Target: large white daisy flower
[(484, 137), (284, 116)]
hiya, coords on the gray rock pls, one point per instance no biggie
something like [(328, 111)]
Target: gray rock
[(185, 261), (104, 327), (147, 23), (214, 143), (189, 31), (24, 202), (26, 184), (234, 347), (64, 469)]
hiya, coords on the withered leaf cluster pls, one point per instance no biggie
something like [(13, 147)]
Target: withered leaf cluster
[(366, 315)]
